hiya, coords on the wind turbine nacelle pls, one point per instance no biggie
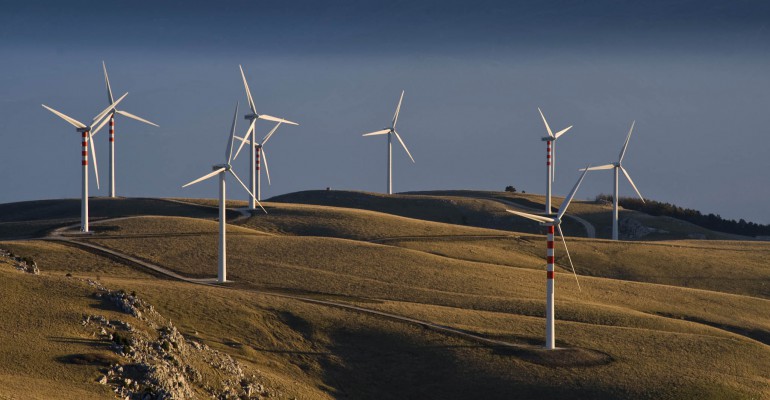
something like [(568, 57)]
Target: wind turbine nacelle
[(250, 116), (86, 129), (218, 166), (547, 139)]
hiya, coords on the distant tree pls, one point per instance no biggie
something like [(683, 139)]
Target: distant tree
[(510, 189)]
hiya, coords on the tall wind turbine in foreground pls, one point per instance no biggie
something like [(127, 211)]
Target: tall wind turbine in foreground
[(260, 155), (254, 175), (615, 167), (550, 333), (222, 170), (392, 131), (87, 132), (550, 162), (112, 128)]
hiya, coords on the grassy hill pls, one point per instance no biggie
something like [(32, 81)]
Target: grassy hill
[(487, 210), (664, 319)]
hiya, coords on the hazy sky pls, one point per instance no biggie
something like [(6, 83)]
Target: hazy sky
[(695, 75)]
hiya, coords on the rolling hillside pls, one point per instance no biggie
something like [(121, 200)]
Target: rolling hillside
[(379, 298)]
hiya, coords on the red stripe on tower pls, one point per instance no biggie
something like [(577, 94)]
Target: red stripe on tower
[(549, 274)]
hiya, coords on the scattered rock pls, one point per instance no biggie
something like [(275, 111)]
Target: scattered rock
[(160, 362), (26, 264), (630, 229)]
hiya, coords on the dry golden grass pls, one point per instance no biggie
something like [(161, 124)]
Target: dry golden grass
[(39, 328), (678, 319)]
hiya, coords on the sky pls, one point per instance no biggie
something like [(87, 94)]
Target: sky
[(694, 75)]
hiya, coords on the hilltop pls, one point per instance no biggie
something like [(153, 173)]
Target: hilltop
[(358, 295)]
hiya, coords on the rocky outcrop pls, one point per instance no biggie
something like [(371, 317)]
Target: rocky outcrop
[(160, 363), (25, 264), (631, 229)]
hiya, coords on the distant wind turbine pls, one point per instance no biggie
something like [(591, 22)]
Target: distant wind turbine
[(222, 170), (87, 132), (112, 128), (615, 167), (260, 155), (550, 333), (254, 174), (550, 159), (392, 131)]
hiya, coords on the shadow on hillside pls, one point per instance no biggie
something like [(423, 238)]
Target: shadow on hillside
[(374, 364)]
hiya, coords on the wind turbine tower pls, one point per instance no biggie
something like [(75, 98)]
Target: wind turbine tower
[(254, 163), (390, 132), (615, 167), (550, 223), (221, 170), (112, 128), (550, 162), (87, 133)]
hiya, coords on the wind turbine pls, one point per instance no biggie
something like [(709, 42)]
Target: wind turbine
[(615, 167), (550, 158), (550, 223), (222, 170), (254, 175), (392, 131), (260, 154), (112, 128), (87, 132)]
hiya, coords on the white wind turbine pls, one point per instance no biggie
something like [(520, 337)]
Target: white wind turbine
[(254, 163), (261, 154), (615, 167), (222, 170), (112, 128), (551, 222), (87, 132), (392, 131), (550, 159)]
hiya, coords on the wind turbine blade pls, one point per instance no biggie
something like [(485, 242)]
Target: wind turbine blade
[(70, 120), (568, 257), (204, 177), (566, 202), (270, 134), (632, 183), (229, 151), (533, 217), (94, 131), (276, 119), (548, 128), (380, 132), (267, 170), (93, 157), (245, 138), (398, 109), (625, 145), (247, 190), (110, 99), (402, 144), (561, 132), (129, 115), (109, 108), (248, 92), (600, 167)]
